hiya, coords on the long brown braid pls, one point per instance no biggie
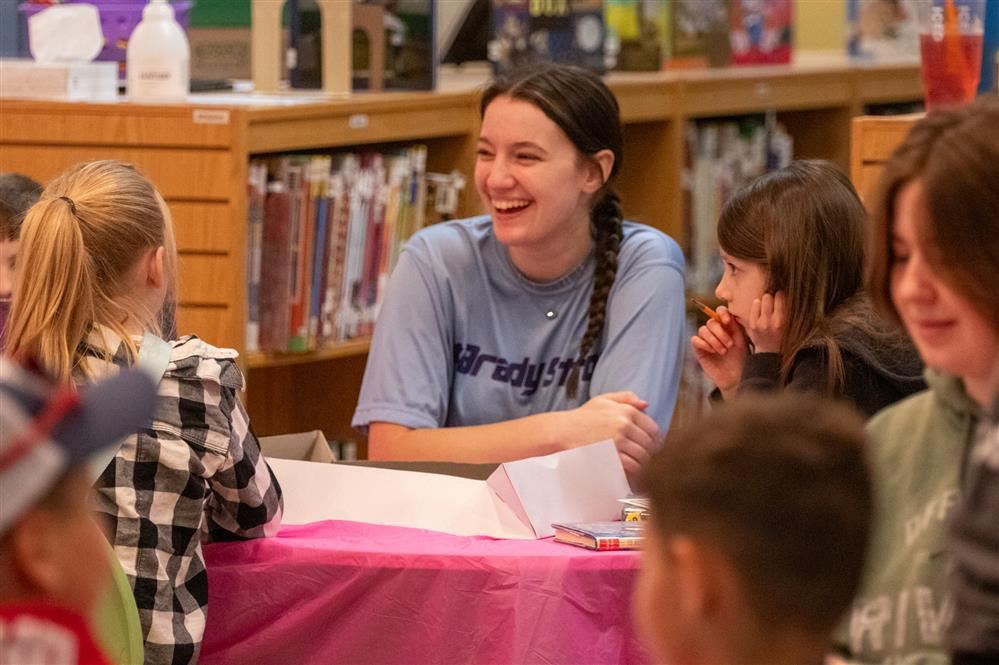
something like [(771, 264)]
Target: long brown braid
[(578, 101), (606, 226)]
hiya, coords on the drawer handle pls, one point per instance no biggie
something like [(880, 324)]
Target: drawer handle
[(358, 121), (762, 90)]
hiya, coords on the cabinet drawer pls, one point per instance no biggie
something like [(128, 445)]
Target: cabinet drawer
[(177, 173)]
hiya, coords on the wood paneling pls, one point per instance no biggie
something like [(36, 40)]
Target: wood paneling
[(203, 227), (209, 280)]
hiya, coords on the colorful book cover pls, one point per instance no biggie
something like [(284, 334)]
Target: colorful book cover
[(601, 535), (637, 33), (882, 29), (565, 31), (760, 31), (699, 34)]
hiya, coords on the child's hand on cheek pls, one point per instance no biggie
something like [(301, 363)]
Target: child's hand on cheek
[(766, 323), (720, 348)]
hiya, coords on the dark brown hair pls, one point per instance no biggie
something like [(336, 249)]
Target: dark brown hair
[(17, 193), (954, 154), (578, 101), (779, 485), (804, 224)]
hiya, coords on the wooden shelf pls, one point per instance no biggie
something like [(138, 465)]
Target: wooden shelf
[(198, 153), (346, 349)]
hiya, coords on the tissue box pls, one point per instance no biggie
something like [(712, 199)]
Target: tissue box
[(118, 20), (75, 81)]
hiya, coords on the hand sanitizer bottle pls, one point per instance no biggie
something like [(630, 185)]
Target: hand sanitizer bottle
[(158, 57)]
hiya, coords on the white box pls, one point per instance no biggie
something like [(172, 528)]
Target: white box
[(519, 500), (71, 81)]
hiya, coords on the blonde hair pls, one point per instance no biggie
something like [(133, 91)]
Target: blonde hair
[(78, 245)]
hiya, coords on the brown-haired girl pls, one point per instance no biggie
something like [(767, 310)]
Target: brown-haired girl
[(792, 242), (934, 262), (549, 322), (97, 261)]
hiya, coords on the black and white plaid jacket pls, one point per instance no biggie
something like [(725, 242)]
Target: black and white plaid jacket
[(196, 470)]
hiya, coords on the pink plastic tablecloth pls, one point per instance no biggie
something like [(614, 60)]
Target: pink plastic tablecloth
[(344, 592)]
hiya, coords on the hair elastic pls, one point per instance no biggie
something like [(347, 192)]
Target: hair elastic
[(72, 206)]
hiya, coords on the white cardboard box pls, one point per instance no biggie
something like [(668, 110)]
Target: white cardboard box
[(519, 500), (73, 81)]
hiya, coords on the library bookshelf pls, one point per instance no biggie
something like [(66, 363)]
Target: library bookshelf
[(198, 155)]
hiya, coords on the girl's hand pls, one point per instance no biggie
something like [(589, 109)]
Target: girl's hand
[(619, 416), (720, 348), (766, 323)]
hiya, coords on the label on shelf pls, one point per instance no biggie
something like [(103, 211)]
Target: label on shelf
[(210, 117)]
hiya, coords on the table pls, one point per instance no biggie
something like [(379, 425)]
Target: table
[(346, 592)]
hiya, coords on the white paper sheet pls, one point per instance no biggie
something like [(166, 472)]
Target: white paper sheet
[(578, 485)]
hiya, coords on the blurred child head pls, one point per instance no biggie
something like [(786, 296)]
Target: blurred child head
[(101, 250), (17, 194), (759, 526), (798, 230), (935, 241), (50, 548)]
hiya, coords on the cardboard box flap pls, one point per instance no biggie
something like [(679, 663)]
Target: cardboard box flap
[(306, 446)]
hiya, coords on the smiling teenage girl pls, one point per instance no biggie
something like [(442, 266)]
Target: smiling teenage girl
[(935, 260), (548, 323), (793, 246)]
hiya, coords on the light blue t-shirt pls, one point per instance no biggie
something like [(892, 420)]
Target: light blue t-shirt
[(463, 338)]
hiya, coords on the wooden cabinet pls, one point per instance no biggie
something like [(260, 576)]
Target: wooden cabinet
[(198, 153), (872, 142)]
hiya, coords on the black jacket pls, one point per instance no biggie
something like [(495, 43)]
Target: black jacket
[(873, 377)]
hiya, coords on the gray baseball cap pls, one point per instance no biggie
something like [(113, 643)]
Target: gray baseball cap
[(46, 430)]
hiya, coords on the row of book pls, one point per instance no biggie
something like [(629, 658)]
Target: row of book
[(324, 234), (721, 158), (640, 34)]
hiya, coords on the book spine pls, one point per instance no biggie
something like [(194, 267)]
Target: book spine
[(257, 192), (275, 269), (608, 544)]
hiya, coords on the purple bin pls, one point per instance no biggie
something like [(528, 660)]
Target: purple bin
[(118, 20)]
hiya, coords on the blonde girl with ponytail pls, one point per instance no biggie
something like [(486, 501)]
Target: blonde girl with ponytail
[(96, 277)]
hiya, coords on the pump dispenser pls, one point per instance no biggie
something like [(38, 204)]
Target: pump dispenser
[(158, 57)]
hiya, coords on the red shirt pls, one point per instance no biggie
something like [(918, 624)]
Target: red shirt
[(40, 633)]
